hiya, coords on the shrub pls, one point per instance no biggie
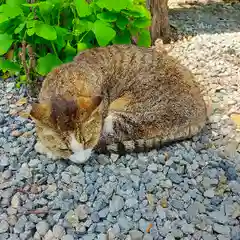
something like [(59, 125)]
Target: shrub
[(36, 37)]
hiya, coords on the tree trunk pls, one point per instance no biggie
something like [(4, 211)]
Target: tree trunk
[(160, 25)]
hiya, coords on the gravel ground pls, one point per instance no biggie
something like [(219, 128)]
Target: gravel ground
[(190, 190)]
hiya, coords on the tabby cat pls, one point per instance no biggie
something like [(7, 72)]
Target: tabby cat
[(124, 97)]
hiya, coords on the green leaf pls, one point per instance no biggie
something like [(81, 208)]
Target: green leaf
[(45, 9), (62, 36), (114, 5), (141, 23), (83, 8), (122, 22), (63, 32), (82, 26), (103, 32), (107, 16), (131, 13), (14, 3), (47, 63), (31, 23), (19, 28), (4, 26), (5, 43), (3, 18), (30, 31), (6, 65), (81, 46), (133, 30), (45, 31), (9, 12), (122, 38), (69, 50), (142, 11), (144, 38)]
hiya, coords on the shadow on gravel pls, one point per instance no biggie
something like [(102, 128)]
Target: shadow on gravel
[(210, 18)]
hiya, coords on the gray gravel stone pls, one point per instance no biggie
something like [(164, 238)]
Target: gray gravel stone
[(177, 233), (58, 231), (81, 211), (166, 184), (67, 237), (131, 203), (20, 224), (42, 227), (4, 162), (116, 204), (153, 167), (209, 193), (169, 237), (103, 213), (234, 186), (225, 230), (178, 204), (3, 226), (83, 198), (188, 228), (136, 235), (208, 236), (219, 217), (124, 223), (33, 163), (114, 232), (175, 178), (66, 178), (147, 237), (102, 237)]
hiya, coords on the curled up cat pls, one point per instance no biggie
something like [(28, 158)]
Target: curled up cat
[(120, 98)]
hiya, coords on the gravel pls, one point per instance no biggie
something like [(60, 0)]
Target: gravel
[(188, 190)]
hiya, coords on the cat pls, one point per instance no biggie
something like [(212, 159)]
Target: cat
[(119, 98)]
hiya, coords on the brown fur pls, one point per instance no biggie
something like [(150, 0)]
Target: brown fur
[(151, 97)]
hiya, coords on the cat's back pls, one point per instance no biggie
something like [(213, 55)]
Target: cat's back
[(116, 56)]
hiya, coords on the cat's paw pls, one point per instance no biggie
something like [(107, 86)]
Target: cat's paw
[(81, 156), (40, 148)]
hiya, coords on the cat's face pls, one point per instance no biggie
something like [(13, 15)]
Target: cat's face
[(67, 126)]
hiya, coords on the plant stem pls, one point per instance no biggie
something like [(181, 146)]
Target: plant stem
[(54, 49), (83, 36)]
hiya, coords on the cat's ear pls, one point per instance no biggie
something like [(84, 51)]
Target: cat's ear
[(40, 111), (89, 103)]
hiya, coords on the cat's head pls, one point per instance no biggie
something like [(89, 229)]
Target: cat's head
[(69, 122)]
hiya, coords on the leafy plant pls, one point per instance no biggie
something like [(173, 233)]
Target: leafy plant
[(36, 37)]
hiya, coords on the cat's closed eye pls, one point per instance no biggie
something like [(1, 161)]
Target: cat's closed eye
[(64, 149)]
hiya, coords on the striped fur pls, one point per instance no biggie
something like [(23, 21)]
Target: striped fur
[(137, 98), (145, 145)]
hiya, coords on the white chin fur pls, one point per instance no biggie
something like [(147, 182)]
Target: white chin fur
[(81, 156)]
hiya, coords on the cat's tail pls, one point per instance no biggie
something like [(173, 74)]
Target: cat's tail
[(145, 145), (137, 146)]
